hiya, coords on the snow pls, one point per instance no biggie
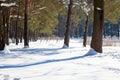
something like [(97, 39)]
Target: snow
[(5, 51), (8, 4), (2, 0), (98, 8), (91, 52), (65, 46), (85, 7), (45, 60), (26, 47)]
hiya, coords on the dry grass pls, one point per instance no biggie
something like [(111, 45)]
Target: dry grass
[(111, 41), (56, 38), (108, 41)]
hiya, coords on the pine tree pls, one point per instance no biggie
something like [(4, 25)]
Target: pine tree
[(26, 40), (68, 23), (97, 34)]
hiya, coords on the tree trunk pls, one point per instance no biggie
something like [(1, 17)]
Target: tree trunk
[(97, 34), (8, 25), (2, 43), (68, 24), (16, 29), (4, 24), (3, 38), (26, 39), (104, 32), (30, 35), (118, 30), (21, 36), (85, 31), (34, 36)]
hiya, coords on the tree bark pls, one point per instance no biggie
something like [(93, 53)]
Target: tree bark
[(16, 29), (118, 30), (8, 25), (4, 26), (85, 31), (35, 35), (2, 43), (21, 36), (26, 39), (68, 24), (97, 34)]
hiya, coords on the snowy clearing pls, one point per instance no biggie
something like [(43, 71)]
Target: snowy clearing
[(47, 60)]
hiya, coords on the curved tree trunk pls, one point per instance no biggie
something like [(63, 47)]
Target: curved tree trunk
[(97, 34), (2, 42), (118, 30), (67, 33), (16, 27), (85, 31), (26, 39), (1, 30), (8, 25)]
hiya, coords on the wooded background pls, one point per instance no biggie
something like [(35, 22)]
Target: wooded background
[(46, 18)]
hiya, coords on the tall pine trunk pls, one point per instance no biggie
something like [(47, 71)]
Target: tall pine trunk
[(97, 34), (35, 36), (85, 31), (21, 36), (26, 39), (16, 27), (8, 25), (4, 26), (2, 43), (118, 28), (68, 23)]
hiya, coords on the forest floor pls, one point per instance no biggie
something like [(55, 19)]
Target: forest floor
[(47, 60)]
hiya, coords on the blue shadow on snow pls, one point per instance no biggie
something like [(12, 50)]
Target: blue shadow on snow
[(91, 52)]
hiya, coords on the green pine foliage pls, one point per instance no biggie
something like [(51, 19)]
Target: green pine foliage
[(43, 16), (112, 10)]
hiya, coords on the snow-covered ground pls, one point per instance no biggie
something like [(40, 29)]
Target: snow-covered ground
[(47, 60)]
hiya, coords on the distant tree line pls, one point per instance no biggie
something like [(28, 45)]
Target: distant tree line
[(110, 29), (27, 20)]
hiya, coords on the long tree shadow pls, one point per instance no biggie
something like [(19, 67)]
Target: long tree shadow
[(41, 51), (89, 53)]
